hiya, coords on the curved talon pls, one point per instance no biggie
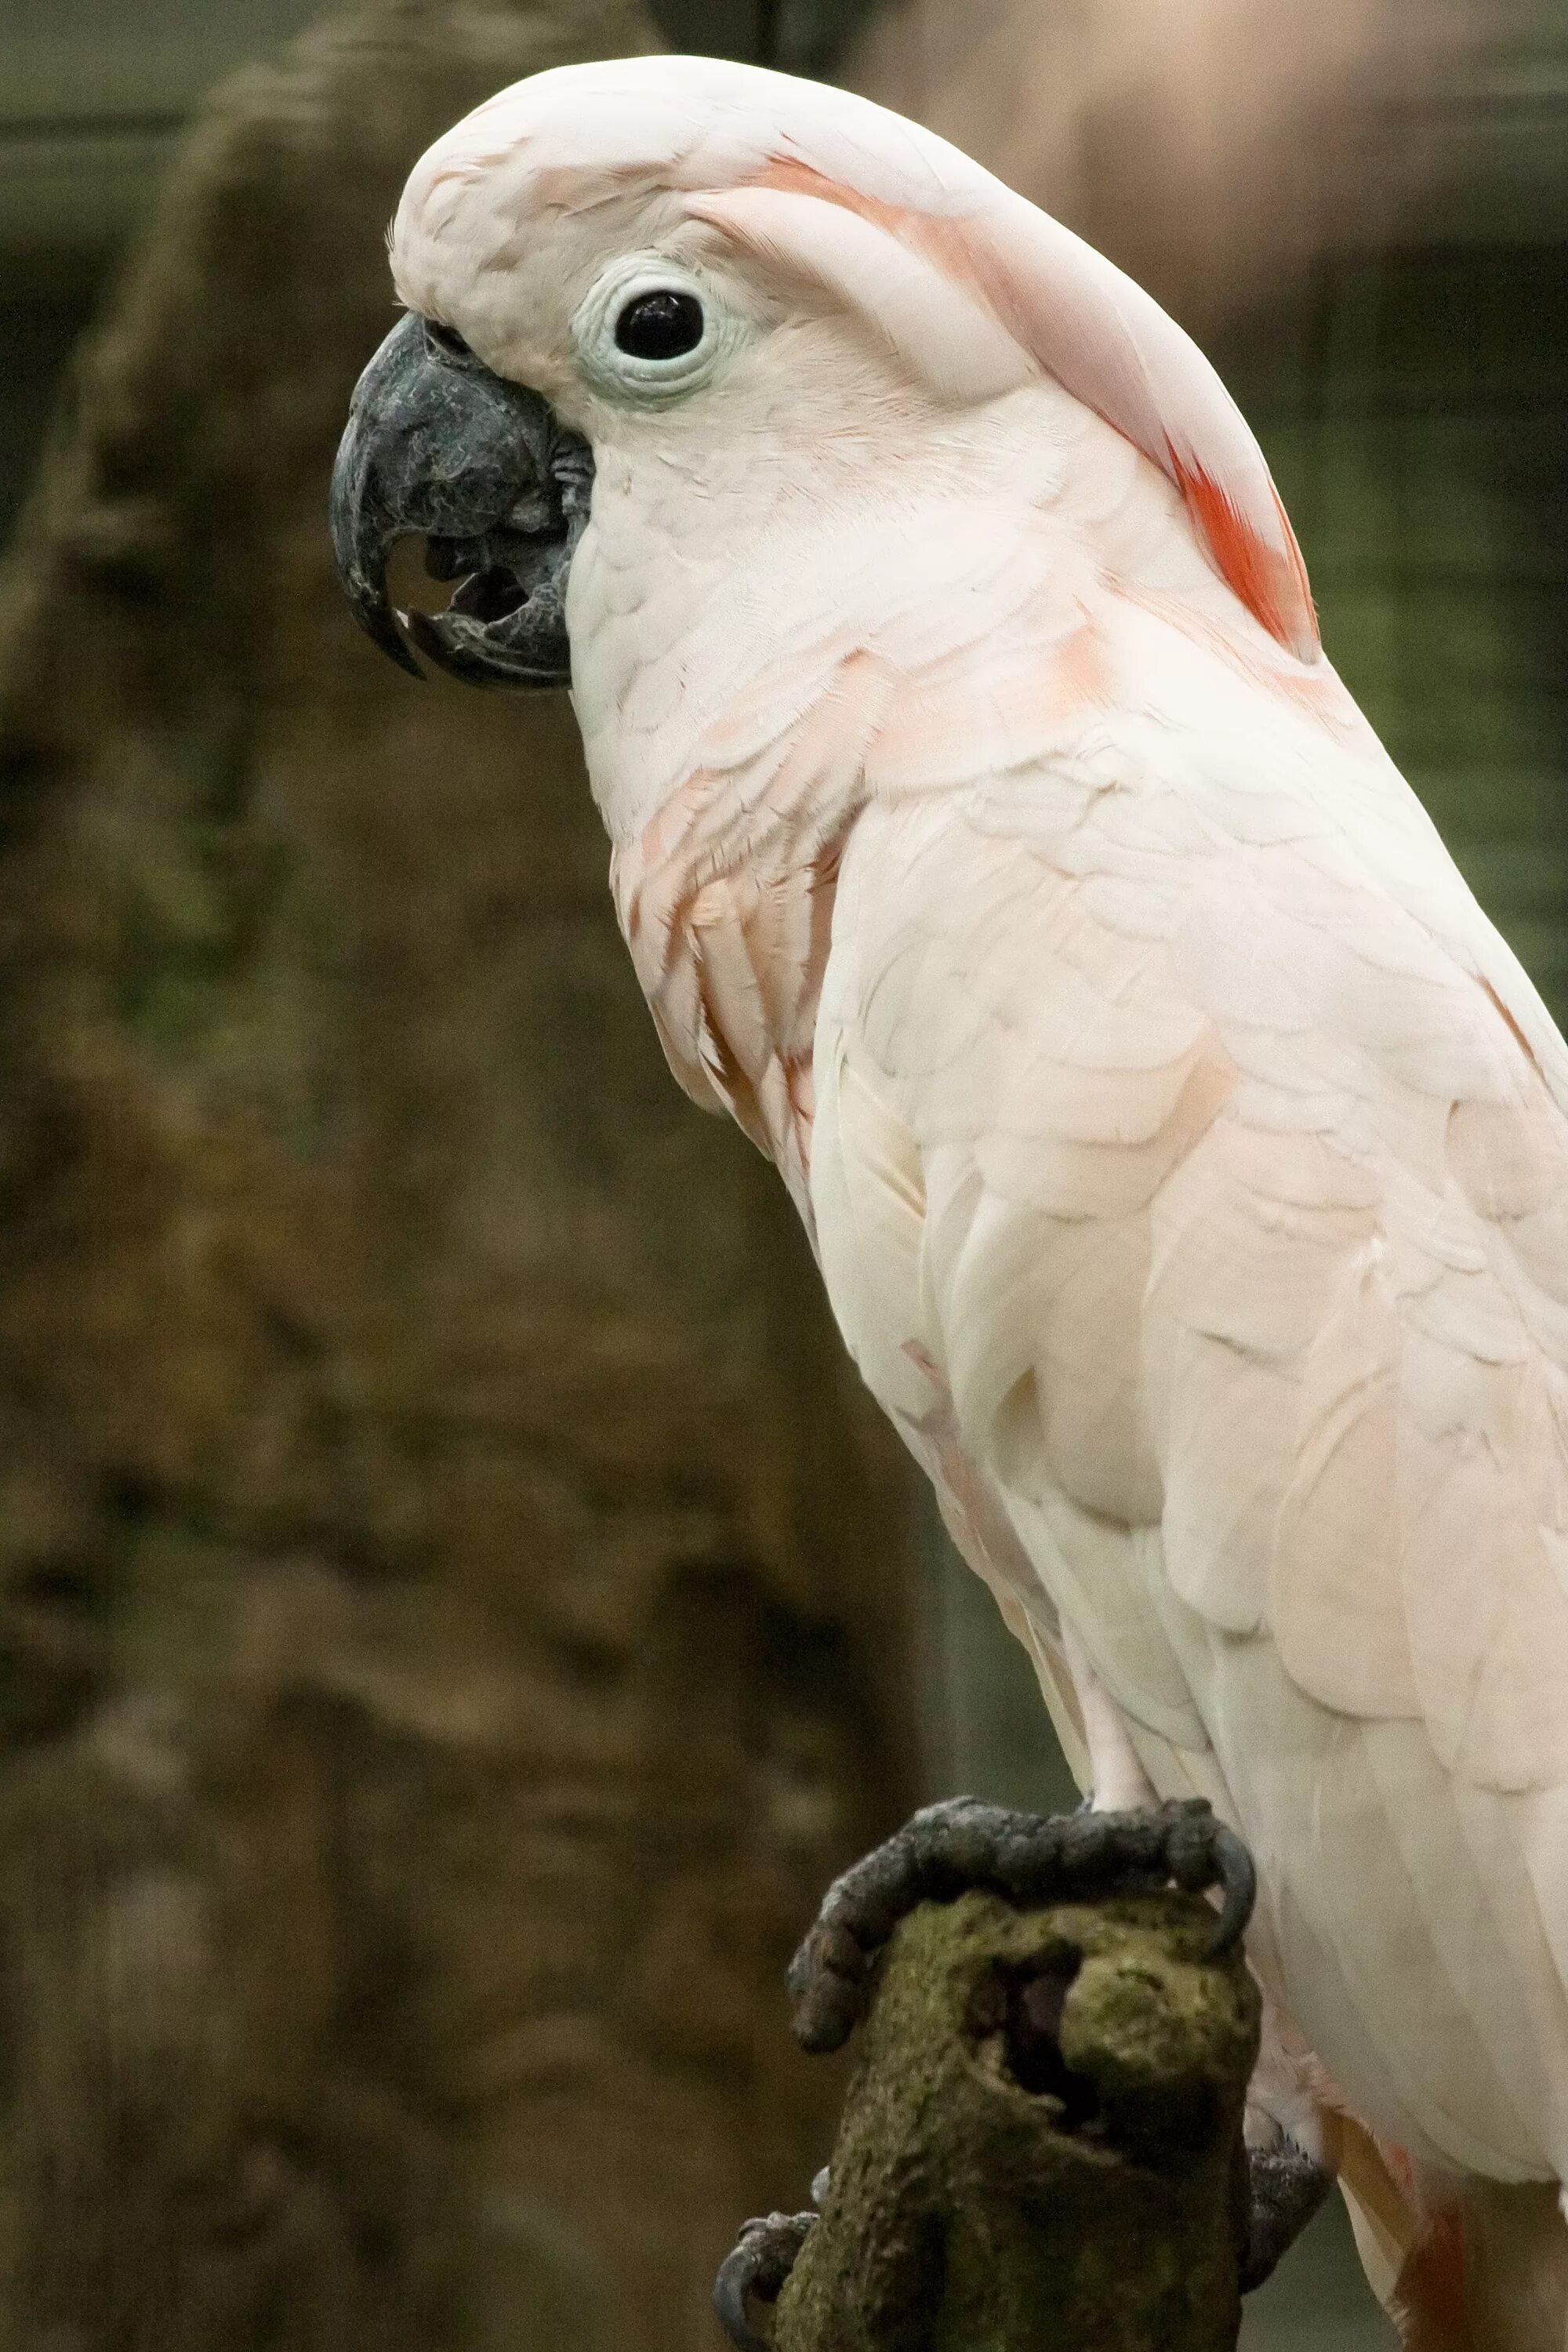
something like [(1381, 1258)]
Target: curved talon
[(758, 2264), (1237, 1877), (730, 2289), (1202, 1851)]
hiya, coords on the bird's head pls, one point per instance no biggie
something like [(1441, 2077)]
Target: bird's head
[(732, 281)]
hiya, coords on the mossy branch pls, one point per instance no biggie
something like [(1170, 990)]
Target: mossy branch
[(1042, 2142)]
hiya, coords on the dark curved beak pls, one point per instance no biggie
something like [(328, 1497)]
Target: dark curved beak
[(438, 444)]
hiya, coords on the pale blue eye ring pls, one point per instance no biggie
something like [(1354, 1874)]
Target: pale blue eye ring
[(650, 328)]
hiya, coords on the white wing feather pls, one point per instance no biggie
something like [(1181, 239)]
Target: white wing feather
[(1242, 1160)]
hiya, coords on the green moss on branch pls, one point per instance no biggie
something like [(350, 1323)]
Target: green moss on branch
[(1042, 2143)]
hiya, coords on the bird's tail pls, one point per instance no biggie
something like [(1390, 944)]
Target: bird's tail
[(1487, 2271), (1426, 2300)]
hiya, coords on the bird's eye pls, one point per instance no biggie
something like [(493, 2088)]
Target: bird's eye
[(660, 326), (651, 330), (447, 340)]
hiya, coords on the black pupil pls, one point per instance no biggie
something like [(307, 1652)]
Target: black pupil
[(660, 326)]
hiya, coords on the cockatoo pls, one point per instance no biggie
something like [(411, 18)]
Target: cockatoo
[(1184, 1154)]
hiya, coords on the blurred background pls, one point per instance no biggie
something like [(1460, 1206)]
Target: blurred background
[(456, 1613)]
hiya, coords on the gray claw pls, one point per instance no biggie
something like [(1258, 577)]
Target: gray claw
[(1287, 2187), (760, 2262), (1237, 1877)]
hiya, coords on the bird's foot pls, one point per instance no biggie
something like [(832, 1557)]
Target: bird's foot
[(1287, 2187), (762, 2259), (1028, 1858)]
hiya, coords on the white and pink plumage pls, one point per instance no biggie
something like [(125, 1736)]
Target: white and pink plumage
[(1185, 1154)]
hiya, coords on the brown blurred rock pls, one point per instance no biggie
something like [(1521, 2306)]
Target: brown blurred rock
[(454, 1603), (1221, 151)]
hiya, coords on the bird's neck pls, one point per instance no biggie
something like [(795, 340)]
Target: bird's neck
[(751, 670)]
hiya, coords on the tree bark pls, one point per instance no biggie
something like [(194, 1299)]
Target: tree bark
[(454, 1605), (1042, 2141)]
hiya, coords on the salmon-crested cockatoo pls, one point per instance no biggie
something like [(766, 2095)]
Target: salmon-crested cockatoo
[(1184, 1154)]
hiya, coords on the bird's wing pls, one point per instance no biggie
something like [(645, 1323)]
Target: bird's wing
[(1241, 1163)]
